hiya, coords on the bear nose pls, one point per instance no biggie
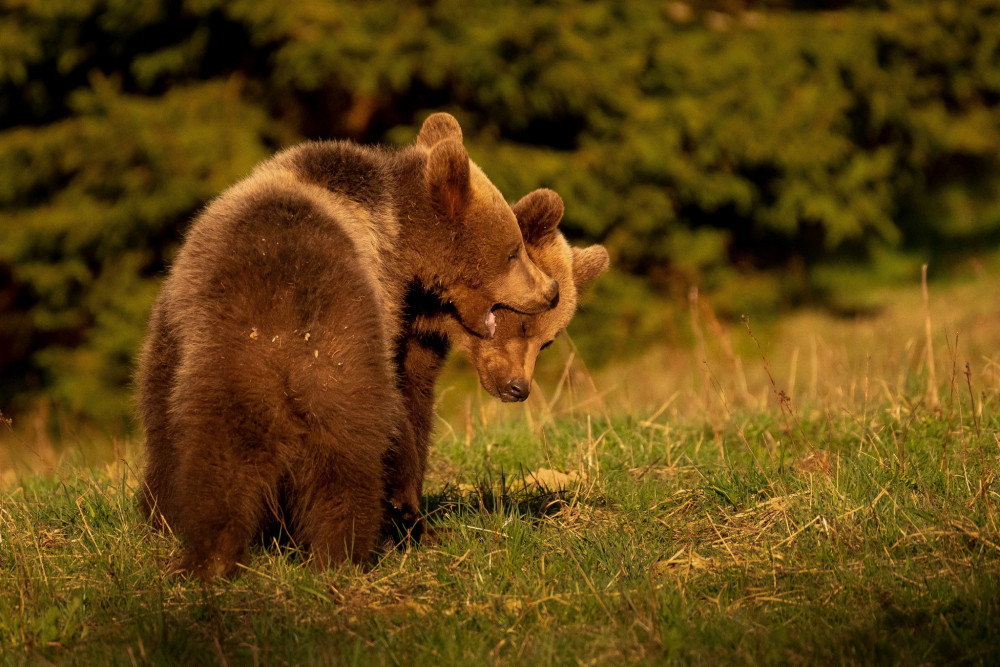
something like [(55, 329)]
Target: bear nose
[(518, 389), (552, 294)]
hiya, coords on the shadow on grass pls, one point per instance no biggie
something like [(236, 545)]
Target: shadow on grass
[(498, 493)]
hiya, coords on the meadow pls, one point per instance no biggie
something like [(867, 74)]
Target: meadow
[(803, 490)]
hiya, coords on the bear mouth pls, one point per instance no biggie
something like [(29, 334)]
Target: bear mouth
[(491, 323)]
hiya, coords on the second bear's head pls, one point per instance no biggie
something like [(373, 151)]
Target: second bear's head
[(492, 268)]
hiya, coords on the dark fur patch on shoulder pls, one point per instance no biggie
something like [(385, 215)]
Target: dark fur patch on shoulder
[(344, 168), (278, 209)]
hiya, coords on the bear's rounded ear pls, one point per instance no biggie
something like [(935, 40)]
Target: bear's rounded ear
[(538, 213), (588, 263), (448, 177), (437, 128)]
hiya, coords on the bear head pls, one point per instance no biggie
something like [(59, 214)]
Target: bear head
[(486, 262)]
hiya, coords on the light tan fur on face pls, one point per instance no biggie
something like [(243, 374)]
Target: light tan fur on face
[(510, 356)]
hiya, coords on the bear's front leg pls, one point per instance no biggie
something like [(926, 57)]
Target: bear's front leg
[(419, 360), (404, 485)]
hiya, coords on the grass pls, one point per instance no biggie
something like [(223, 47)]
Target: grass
[(714, 520)]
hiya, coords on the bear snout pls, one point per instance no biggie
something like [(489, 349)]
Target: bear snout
[(516, 389)]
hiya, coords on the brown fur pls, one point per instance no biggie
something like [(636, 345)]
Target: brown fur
[(267, 383), (505, 363)]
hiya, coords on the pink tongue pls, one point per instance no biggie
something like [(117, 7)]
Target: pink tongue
[(491, 323)]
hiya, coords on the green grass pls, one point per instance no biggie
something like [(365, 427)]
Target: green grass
[(696, 516), (756, 537)]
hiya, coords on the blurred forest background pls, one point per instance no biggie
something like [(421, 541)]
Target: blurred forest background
[(772, 154)]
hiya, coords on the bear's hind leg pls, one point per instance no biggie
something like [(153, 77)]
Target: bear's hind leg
[(226, 481), (337, 507), (154, 382), (223, 510)]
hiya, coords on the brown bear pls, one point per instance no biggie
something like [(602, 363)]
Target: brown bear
[(267, 383), (505, 363)]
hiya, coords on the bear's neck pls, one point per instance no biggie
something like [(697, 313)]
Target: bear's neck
[(424, 241)]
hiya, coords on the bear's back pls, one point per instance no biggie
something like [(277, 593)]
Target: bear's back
[(303, 203), (278, 316)]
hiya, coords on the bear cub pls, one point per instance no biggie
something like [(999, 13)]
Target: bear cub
[(267, 385)]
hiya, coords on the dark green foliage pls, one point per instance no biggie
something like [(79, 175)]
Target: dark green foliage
[(698, 145), (94, 205)]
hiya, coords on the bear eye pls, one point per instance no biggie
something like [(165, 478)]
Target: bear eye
[(513, 254)]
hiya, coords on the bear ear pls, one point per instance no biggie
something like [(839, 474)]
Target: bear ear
[(588, 263), (448, 177), (437, 128), (538, 213)]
